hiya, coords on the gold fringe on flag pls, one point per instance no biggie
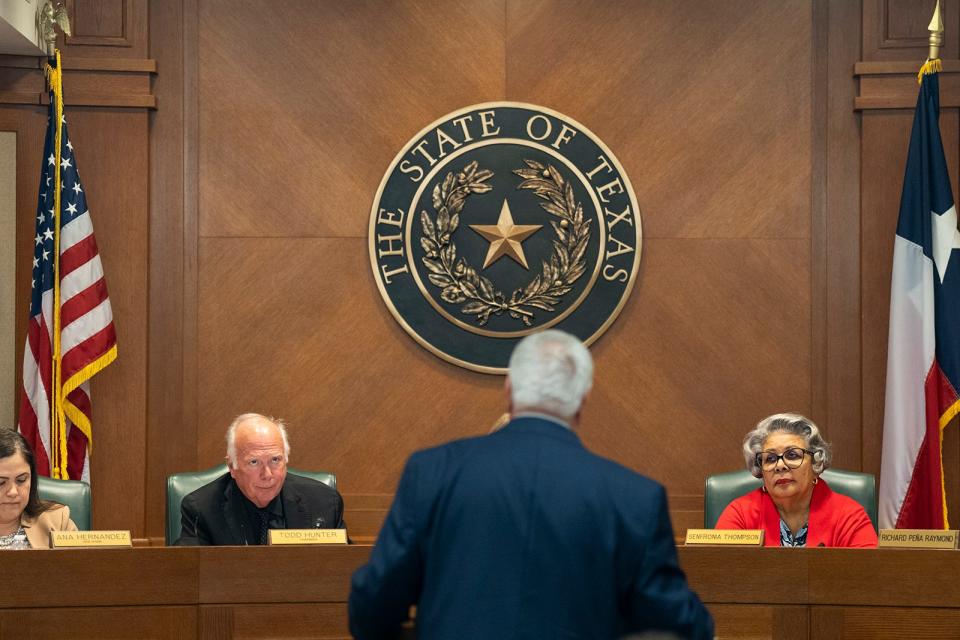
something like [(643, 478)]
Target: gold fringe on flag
[(929, 67), (58, 419)]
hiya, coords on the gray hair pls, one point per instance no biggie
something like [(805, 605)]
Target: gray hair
[(551, 371), (793, 423), (243, 417)]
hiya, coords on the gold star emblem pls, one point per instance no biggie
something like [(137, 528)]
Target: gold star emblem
[(505, 237)]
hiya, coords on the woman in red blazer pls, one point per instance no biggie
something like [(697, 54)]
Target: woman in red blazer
[(795, 507)]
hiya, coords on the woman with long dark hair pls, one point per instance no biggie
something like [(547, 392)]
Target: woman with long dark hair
[(23, 515)]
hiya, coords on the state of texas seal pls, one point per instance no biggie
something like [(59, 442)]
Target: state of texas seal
[(500, 220)]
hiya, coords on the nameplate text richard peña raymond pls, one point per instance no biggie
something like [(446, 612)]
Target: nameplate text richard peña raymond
[(919, 538)]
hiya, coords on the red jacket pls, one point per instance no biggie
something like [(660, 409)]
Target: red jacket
[(835, 520)]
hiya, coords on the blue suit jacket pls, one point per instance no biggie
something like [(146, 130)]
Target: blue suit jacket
[(524, 534)]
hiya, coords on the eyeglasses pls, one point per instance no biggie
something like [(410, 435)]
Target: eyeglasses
[(792, 458)]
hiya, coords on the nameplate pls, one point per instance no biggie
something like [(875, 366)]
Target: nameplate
[(746, 537), (308, 536), (85, 539), (919, 538)]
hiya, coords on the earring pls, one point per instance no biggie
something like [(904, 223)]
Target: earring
[(816, 480)]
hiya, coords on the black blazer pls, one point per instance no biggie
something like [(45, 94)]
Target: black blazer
[(214, 515)]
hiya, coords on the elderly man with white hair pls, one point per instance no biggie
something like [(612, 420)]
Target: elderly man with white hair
[(524, 533), (256, 494)]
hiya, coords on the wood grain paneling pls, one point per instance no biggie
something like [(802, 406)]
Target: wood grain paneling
[(106, 29), (336, 340), (116, 185), (897, 29), (232, 592), (669, 381), (100, 623), (893, 85), (296, 144), (760, 622), (835, 199), (697, 126), (171, 349), (891, 623), (98, 19), (884, 157), (321, 351), (253, 622)]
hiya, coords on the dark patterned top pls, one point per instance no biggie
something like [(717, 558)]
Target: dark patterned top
[(787, 539)]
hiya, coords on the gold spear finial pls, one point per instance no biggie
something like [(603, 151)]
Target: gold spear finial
[(936, 33)]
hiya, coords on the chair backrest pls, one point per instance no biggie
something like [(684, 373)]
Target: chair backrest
[(180, 485), (73, 493), (721, 489)]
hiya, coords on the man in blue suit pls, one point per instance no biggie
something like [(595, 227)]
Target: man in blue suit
[(524, 533)]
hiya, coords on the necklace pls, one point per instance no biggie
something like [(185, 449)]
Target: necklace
[(7, 540)]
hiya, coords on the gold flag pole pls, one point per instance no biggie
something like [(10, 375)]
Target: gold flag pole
[(933, 64), (936, 33)]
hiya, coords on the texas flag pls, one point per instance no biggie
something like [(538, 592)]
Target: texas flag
[(923, 354)]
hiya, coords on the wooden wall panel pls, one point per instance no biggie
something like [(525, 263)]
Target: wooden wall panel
[(116, 186), (669, 373), (835, 232), (889, 623), (319, 160), (309, 341), (696, 123), (296, 145), (253, 622), (171, 381), (897, 29), (100, 623), (700, 132), (758, 621), (106, 29), (884, 159)]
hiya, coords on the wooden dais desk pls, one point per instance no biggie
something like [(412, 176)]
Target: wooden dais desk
[(301, 592)]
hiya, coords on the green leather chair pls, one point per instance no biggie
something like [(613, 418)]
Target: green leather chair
[(73, 493), (723, 488), (181, 484)]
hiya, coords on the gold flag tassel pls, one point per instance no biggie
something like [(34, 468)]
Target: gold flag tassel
[(58, 420), (930, 66)]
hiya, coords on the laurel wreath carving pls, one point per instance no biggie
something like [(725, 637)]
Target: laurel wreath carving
[(460, 283)]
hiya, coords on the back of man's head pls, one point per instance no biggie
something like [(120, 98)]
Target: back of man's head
[(550, 372)]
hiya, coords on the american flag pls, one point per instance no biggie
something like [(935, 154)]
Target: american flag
[(70, 335)]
